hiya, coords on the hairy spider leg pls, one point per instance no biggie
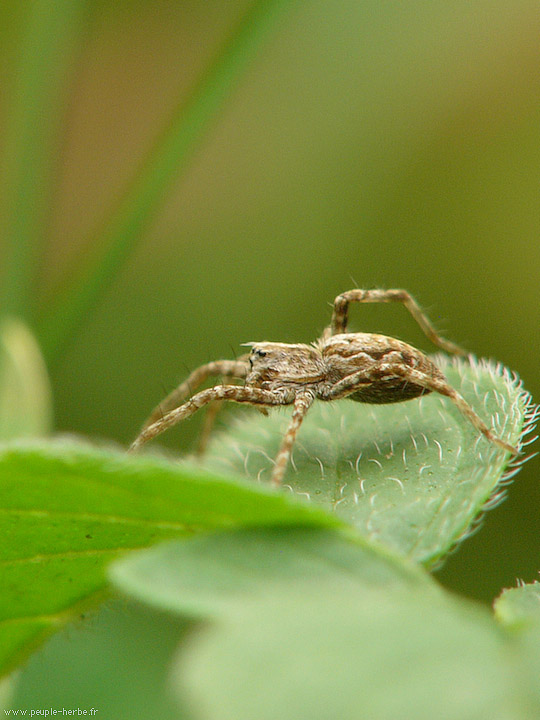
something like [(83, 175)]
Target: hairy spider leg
[(368, 376), (225, 368), (302, 403), (236, 393), (341, 310)]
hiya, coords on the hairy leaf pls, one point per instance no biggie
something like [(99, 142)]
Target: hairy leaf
[(414, 475), (519, 607)]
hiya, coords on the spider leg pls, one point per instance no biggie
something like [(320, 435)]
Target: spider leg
[(236, 393), (302, 403), (212, 411), (375, 374), (341, 311), (226, 368)]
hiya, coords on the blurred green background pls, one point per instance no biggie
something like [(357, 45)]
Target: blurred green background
[(363, 144)]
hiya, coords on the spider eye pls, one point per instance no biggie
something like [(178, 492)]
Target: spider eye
[(259, 353)]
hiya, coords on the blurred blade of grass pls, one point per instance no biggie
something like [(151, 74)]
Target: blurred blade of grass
[(163, 165), (49, 40), (25, 391)]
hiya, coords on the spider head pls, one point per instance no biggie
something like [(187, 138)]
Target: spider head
[(275, 365)]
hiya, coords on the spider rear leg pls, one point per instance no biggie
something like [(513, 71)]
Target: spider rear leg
[(377, 373), (341, 311)]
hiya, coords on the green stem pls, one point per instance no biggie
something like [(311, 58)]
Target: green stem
[(29, 151), (167, 159)]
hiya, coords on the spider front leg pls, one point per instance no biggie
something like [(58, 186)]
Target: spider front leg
[(235, 393), (302, 403), (341, 311), (378, 374), (225, 368)]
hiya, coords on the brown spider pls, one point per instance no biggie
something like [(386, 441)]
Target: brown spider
[(360, 366)]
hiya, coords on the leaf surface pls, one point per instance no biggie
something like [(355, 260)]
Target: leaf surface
[(67, 509), (307, 625), (414, 475)]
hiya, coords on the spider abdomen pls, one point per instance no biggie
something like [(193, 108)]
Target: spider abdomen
[(377, 364), (388, 390)]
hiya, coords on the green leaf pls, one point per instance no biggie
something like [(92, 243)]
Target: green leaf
[(25, 394), (67, 509), (124, 651), (413, 476), (212, 575), (307, 625), (519, 607)]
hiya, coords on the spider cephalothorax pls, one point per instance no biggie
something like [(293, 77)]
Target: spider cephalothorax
[(360, 366), (276, 366)]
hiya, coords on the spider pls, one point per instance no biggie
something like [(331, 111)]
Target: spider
[(364, 367)]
